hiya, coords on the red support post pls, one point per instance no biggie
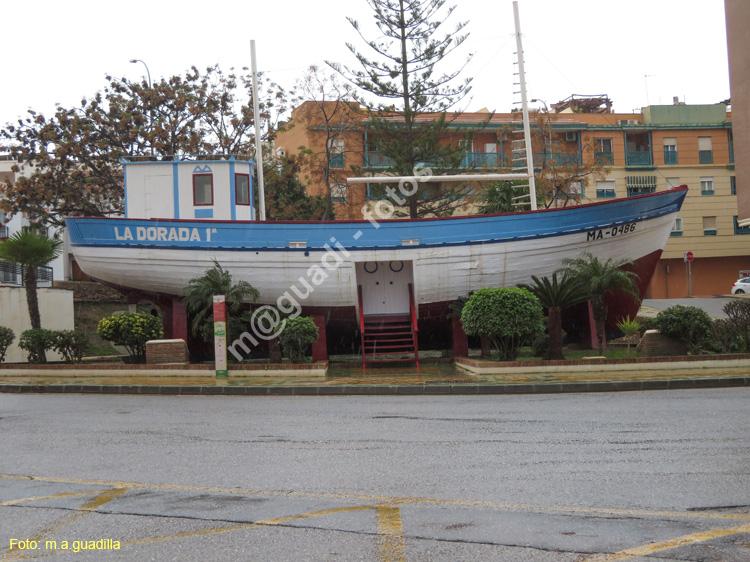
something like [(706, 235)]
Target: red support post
[(179, 320), (592, 327), (361, 326), (320, 346), (459, 338)]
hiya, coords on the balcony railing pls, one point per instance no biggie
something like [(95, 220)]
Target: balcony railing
[(556, 158), (12, 274), (483, 160), (604, 158), (705, 156), (377, 160), (639, 158), (670, 157), (4, 232)]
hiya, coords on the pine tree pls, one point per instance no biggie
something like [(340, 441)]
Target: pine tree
[(399, 69)]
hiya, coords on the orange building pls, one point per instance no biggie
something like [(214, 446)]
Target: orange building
[(608, 155)]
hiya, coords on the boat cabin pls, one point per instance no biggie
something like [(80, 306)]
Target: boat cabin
[(218, 189)]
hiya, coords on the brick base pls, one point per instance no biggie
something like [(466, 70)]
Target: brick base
[(654, 344), (166, 351)]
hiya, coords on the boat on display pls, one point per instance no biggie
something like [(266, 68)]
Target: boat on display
[(443, 258)]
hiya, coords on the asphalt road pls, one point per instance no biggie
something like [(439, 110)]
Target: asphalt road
[(627, 476)]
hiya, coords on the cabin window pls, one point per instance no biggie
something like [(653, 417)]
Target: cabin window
[(203, 189), (241, 189)]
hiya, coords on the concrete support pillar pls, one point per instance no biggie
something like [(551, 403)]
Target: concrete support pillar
[(459, 338), (320, 346)]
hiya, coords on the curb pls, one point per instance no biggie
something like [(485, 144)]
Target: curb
[(380, 390)]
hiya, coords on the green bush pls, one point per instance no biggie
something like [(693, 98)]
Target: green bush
[(6, 338), (646, 323), (738, 314), (508, 317), (297, 335), (131, 330), (688, 324), (36, 343), (71, 344), (725, 337)]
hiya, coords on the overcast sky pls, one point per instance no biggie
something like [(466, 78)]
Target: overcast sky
[(637, 51)]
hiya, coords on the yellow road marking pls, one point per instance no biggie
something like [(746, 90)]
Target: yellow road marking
[(653, 548), (391, 546), (97, 501), (396, 500), (242, 526), (47, 497)]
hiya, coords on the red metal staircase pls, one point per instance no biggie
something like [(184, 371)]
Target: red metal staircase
[(389, 337)]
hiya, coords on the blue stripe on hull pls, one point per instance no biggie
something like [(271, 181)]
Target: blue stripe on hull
[(364, 235)]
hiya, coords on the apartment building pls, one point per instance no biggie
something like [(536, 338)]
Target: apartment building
[(614, 154)]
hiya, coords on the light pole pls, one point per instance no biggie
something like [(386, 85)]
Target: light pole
[(150, 116), (148, 73)]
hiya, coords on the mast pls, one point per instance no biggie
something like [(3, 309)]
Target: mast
[(258, 143), (525, 108)]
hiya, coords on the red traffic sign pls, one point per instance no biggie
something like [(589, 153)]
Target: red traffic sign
[(689, 257)]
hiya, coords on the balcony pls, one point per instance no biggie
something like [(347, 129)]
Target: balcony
[(639, 158), (375, 159), (604, 158), (483, 160), (556, 158), (12, 274)]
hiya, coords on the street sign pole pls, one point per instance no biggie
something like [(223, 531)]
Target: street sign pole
[(220, 335), (688, 258)]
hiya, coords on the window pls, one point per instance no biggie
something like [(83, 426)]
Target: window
[(677, 227), (670, 151), (638, 185), (603, 151), (740, 229), (336, 153), (576, 189), (605, 189), (673, 182), (705, 150), (203, 189), (241, 189), (338, 192), (707, 186), (709, 226), (733, 185)]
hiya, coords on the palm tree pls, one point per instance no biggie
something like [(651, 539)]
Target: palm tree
[(199, 301), (31, 250), (555, 295), (599, 278)]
